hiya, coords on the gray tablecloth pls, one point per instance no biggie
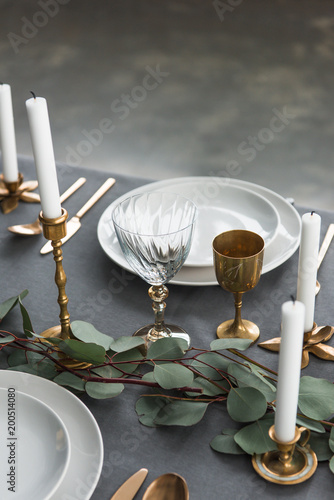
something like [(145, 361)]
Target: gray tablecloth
[(129, 445)]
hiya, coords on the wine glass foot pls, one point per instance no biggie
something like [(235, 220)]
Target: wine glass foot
[(247, 330), (173, 331)]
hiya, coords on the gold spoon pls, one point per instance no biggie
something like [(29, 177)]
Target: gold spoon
[(36, 227), (322, 252), (167, 487)]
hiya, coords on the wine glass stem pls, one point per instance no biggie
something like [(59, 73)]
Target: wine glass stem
[(237, 305), (158, 294)]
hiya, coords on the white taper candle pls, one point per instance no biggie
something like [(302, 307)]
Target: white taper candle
[(41, 138), (290, 355), (7, 135), (307, 265)]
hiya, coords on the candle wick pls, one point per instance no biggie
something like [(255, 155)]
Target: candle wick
[(33, 94), (313, 212), (292, 298)]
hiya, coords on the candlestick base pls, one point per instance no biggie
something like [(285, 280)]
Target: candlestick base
[(313, 343), (291, 463), (12, 192), (55, 230)]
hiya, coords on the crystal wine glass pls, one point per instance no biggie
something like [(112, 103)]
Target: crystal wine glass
[(154, 231), (238, 258)]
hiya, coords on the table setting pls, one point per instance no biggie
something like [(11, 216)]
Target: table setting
[(204, 396)]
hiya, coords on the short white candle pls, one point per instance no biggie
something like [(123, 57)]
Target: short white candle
[(7, 135), (307, 266), (40, 132), (290, 355)]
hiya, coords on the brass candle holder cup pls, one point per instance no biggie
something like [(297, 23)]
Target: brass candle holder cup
[(55, 230), (12, 192), (238, 258), (292, 463)]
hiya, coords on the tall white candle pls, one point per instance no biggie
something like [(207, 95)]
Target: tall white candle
[(40, 132), (290, 355), (307, 266), (7, 135)]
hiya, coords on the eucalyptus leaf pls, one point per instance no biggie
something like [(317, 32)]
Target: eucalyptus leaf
[(102, 390), (261, 375), (45, 368), (331, 440), (9, 304), (246, 404), (208, 388), (233, 343), (87, 333), (331, 464), (70, 380), (225, 443), (17, 358), (167, 348), (91, 353), (7, 340), (216, 361), (319, 444), (126, 343), (245, 377), (254, 438), (316, 398), (27, 326), (148, 407), (26, 368), (313, 425), (149, 377), (172, 375), (184, 413)]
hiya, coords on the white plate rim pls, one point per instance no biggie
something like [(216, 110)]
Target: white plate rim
[(50, 393), (47, 407), (204, 276)]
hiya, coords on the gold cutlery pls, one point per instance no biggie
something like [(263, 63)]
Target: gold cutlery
[(167, 487), (128, 490), (322, 252), (36, 227), (74, 224)]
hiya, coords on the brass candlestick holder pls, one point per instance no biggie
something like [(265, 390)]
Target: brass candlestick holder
[(292, 463), (313, 343), (12, 192), (55, 230)]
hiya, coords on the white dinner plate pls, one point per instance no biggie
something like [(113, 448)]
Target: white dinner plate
[(86, 458), (283, 244), (34, 447)]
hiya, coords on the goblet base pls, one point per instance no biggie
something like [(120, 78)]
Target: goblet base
[(173, 331), (246, 330)]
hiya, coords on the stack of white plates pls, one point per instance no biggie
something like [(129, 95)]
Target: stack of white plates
[(223, 204), (50, 444)]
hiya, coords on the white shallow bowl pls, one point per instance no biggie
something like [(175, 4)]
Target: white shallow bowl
[(34, 448), (86, 460)]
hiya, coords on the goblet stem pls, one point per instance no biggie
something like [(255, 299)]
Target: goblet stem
[(237, 324), (158, 294)]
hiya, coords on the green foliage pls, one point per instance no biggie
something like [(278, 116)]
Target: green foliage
[(195, 379), (9, 304), (316, 398), (225, 443), (87, 333), (246, 404)]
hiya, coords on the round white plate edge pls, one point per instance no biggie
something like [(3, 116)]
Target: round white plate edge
[(274, 198), (64, 428), (15, 377)]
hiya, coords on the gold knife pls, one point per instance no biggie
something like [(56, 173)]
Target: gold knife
[(74, 224), (129, 489)]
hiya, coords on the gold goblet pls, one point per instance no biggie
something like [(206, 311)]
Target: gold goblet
[(238, 258)]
